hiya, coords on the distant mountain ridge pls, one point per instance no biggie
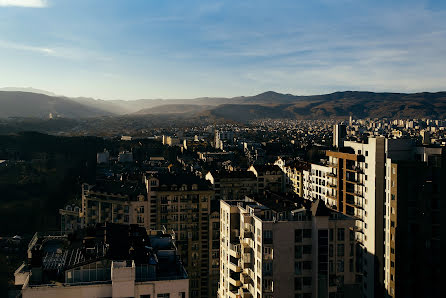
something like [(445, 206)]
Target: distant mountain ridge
[(269, 104)]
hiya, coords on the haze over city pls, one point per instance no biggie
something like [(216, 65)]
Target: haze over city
[(187, 49)]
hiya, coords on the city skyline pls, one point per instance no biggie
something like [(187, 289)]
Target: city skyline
[(117, 50)]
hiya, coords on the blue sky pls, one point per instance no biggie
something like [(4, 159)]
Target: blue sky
[(133, 49)]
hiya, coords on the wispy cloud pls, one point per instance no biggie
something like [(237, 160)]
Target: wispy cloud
[(24, 3), (22, 47)]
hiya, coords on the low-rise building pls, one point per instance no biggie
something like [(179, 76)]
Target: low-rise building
[(105, 261)]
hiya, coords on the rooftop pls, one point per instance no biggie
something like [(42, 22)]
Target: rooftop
[(167, 181), (154, 255), (233, 174), (128, 188)]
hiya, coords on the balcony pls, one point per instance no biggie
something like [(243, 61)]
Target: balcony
[(245, 278), (247, 234), (248, 242), (332, 175), (244, 293), (331, 196), (249, 272), (234, 250), (333, 164), (354, 181), (332, 185), (235, 266), (236, 283)]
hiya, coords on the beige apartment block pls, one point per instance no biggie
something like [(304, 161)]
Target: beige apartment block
[(275, 245), (185, 204)]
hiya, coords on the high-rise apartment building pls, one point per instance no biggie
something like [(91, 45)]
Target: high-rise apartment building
[(184, 204), (180, 203), (316, 183), (357, 181), (414, 188), (388, 186), (339, 135), (276, 245)]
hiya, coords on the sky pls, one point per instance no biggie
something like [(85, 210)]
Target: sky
[(133, 49)]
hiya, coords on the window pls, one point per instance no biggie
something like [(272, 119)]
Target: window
[(341, 235), (307, 265), (268, 234), (298, 235), (341, 266), (144, 296), (307, 281), (182, 295), (166, 295), (297, 283), (366, 153), (140, 219), (307, 233), (297, 268), (298, 252), (141, 209), (340, 250), (307, 249)]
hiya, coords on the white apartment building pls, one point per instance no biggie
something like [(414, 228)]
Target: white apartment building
[(316, 183), (283, 246), (359, 178)]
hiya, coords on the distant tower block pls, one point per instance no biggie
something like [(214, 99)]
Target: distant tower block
[(425, 134), (339, 134)]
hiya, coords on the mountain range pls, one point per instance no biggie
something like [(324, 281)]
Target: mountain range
[(34, 103)]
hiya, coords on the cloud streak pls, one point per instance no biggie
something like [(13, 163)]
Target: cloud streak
[(22, 47), (24, 3)]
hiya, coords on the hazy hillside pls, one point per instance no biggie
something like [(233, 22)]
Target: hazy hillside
[(175, 109), (26, 104), (340, 105), (265, 105)]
